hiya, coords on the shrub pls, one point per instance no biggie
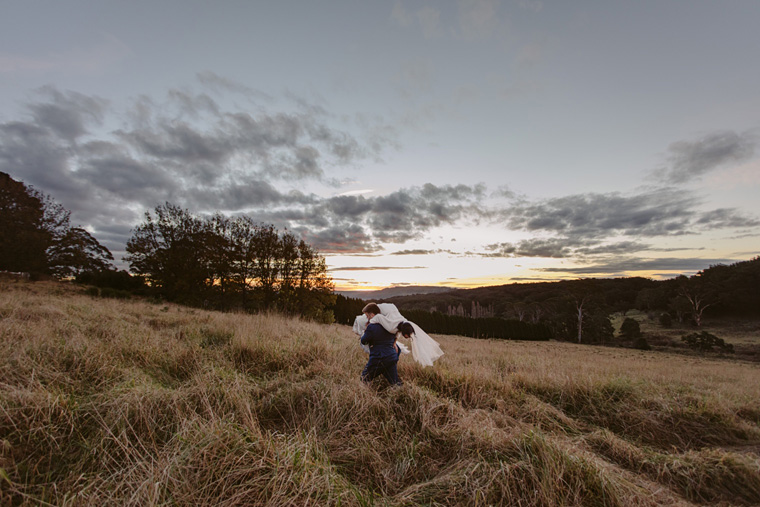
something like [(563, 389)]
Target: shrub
[(108, 292), (705, 342), (630, 328), (641, 344), (665, 320)]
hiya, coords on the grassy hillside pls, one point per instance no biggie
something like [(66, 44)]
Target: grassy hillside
[(122, 402)]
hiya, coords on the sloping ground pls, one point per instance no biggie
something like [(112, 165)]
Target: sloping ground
[(114, 402)]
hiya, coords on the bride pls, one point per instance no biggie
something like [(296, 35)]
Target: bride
[(425, 350)]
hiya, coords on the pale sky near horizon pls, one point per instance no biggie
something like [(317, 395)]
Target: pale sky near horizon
[(459, 143)]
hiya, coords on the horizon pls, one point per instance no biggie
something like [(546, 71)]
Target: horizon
[(461, 144)]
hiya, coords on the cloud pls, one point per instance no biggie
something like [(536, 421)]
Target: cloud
[(687, 160), (562, 247), (415, 252), (659, 212), (591, 225), (346, 239), (725, 218), (374, 268), (396, 217), (620, 266), (221, 85)]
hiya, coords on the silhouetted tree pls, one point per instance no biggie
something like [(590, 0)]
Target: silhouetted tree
[(75, 252), (169, 250), (25, 239), (37, 236)]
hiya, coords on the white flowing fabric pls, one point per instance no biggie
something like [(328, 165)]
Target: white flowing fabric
[(360, 324), (425, 350)]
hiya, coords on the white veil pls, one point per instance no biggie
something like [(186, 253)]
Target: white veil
[(425, 350)]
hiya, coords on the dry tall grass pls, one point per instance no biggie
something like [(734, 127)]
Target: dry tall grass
[(119, 402)]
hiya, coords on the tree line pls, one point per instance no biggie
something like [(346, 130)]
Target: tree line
[(580, 310), (38, 238), (224, 263), (216, 261)]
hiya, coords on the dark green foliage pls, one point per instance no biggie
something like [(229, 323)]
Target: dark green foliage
[(108, 292), (225, 263), (437, 322), (665, 319), (38, 238), (630, 328), (77, 251), (732, 290), (346, 309), (24, 239), (706, 342), (641, 344), (120, 280)]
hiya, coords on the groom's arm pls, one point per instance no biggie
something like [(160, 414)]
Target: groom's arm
[(368, 338)]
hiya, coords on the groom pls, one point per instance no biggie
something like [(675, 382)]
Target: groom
[(383, 353)]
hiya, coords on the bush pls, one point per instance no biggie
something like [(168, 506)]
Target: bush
[(641, 344), (630, 328), (665, 320), (705, 342), (108, 292)]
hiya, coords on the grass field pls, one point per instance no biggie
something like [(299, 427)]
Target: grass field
[(743, 334), (131, 403)]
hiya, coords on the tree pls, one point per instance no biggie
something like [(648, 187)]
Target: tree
[(218, 240), (288, 264), (222, 262), (25, 239), (169, 249), (76, 252), (37, 236), (266, 249), (243, 239), (697, 293), (704, 342), (630, 328)]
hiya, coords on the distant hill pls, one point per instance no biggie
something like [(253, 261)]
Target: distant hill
[(394, 292), (732, 290)]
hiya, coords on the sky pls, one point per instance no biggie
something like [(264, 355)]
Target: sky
[(458, 143)]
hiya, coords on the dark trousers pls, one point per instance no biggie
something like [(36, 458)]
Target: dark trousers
[(385, 366)]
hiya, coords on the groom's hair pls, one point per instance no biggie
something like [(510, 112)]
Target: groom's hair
[(371, 308)]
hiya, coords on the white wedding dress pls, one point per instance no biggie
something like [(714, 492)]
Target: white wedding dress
[(425, 350)]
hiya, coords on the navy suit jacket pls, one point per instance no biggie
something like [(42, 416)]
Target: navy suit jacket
[(381, 342)]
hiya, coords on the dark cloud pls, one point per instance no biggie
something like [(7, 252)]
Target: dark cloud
[(687, 160), (723, 218), (415, 252), (619, 266), (345, 240), (661, 212), (561, 248), (375, 268), (66, 115), (186, 149), (536, 247)]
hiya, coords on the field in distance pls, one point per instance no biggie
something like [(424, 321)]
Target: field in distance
[(129, 402)]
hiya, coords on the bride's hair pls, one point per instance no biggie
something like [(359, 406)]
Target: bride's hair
[(406, 329)]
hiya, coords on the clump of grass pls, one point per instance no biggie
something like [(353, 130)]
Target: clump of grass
[(705, 476), (107, 401)]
